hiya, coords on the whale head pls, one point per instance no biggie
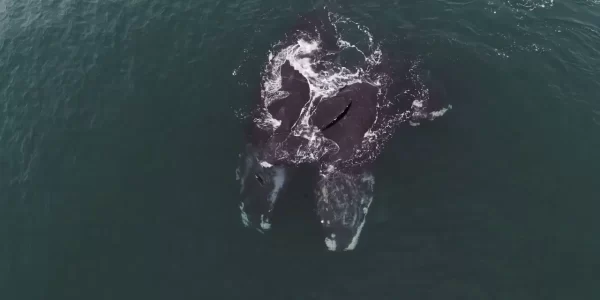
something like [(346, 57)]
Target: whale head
[(260, 185), (343, 200)]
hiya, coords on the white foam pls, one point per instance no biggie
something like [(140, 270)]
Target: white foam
[(308, 46), (439, 113), (265, 164)]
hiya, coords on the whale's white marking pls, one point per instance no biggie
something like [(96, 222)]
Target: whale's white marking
[(245, 219), (264, 223), (366, 200), (265, 164), (330, 243)]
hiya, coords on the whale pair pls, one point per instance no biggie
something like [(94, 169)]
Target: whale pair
[(320, 108)]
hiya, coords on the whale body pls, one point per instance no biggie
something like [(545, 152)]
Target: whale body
[(319, 107)]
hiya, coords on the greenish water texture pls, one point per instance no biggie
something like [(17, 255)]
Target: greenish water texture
[(120, 129)]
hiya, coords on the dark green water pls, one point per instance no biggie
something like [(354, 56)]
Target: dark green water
[(119, 141)]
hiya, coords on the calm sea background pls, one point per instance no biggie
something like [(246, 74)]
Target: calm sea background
[(120, 130)]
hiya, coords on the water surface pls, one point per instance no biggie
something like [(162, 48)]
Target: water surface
[(120, 129)]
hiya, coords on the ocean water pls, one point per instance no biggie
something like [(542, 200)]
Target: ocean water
[(121, 122)]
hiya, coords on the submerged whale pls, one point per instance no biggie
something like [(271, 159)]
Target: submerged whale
[(321, 106)]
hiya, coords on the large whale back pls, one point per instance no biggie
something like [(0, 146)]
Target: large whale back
[(346, 117)]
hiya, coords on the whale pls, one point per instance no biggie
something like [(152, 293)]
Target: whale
[(316, 110)]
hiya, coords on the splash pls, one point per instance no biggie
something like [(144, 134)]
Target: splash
[(325, 79), (530, 4), (388, 118), (308, 54)]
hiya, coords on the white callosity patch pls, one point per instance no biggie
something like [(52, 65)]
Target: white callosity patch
[(330, 243), (264, 223), (265, 164), (366, 200)]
